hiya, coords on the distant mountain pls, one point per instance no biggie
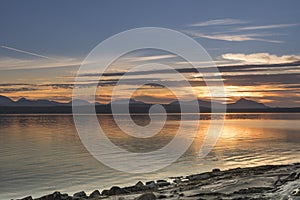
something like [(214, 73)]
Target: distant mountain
[(36, 103), (246, 104), (5, 101), (135, 106), (23, 102), (201, 103), (77, 102), (131, 101)]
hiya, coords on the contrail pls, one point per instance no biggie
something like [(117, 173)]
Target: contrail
[(26, 52)]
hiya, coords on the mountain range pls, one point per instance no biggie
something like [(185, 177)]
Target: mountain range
[(23, 102), (24, 105)]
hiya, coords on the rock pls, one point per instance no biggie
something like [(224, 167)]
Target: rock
[(151, 186), (146, 196), (291, 177), (149, 182), (253, 190), (202, 176), (115, 190), (66, 197), (129, 189), (174, 191), (81, 194), (162, 183), (162, 196), (26, 198), (177, 180), (296, 192), (95, 194), (298, 176), (121, 198), (216, 170), (181, 195), (278, 182), (105, 192), (54, 196), (139, 186)]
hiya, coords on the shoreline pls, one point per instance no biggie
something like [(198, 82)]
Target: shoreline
[(260, 182)]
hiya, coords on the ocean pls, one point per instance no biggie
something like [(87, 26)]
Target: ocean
[(40, 154)]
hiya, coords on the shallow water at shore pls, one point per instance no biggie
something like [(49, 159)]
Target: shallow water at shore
[(42, 153)]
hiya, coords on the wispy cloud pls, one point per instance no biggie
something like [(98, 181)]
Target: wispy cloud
[(232, 37), (151, 58), (230, 34), (219, 22), (260, 58), (266, 27), (8, 63), (26, 52)]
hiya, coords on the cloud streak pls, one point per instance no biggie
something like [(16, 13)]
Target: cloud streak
[(266, 27), (8, 63), (219, 22), (152, 58), (232, 37), (26, 52), (260, 58)]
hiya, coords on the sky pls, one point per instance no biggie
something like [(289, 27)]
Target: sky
[(254, 43)]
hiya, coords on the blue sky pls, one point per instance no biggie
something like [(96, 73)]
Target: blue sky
[(73, 28), (243, 31)]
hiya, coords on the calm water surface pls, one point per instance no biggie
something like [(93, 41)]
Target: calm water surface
[(40, 154)]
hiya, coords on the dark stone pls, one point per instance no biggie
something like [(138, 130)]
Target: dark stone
[(54, 196), (174, 191), (202, 176), (149, 182), (115, 190), (253, 190), (129, 189), (162, 183), (146, 196), (162, 196), (81, 194), (26, 198), (214, 194), (177, 180), (291, 177), (298, 176), (216, 170), (95, 194), (65, 197), (181, 194), (105, 192), (151, 186), (139, 186), (278, 182)]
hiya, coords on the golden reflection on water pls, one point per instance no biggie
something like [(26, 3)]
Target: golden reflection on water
[(44, 151)]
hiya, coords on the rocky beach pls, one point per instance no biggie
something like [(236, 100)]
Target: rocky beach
[(260, 182)]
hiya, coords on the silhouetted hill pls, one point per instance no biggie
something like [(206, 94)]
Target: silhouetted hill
[(5, 101), (201, 103), (246, 104), (24, 105), (77, 102), (36, 103)]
